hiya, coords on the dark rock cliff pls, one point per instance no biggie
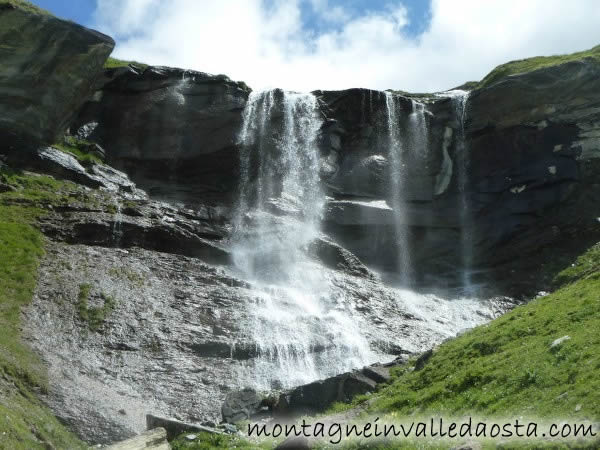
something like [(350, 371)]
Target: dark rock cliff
[(48, 70), (534, 148), (174, 131), (530, 141)]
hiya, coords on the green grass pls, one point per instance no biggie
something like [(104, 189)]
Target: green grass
[(26, 6), (38, 192), (113, 63), (538, 62), (79, 149), (24, 422), (94, 316), (511, 369), (209, 441)]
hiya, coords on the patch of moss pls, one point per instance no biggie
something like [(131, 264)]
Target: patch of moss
[(40, 191), (244, 86), (25, 423), (26, 6), (417, 95), (93, 316), (468, 86), (537, 62), (114, 63), (80, 149), (123, 273)]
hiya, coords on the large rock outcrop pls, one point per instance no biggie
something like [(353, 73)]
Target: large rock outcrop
[(534, 165), (530, 151), (173, 131), (49, 67)]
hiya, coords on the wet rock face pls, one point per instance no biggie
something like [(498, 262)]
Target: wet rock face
[(173, 131), (48, 70), (357, 150)]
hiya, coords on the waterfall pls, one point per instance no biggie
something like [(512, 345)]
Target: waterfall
[(398, 175), (404, 149), (459, 102), (418, 133), (117, 228), (300, 325)]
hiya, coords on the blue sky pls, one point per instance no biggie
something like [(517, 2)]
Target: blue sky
[(302, 45), (82, 11), (79, 11)]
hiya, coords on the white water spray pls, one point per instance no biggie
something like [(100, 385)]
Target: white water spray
[(300, 322), (398, 175), (117, 228), (459, 101), (404, 148)]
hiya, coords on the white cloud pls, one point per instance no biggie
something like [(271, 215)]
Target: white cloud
[(330, 13), (267, 46)]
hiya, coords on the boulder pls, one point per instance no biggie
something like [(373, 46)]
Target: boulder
[(423, 359), (240, 405), (558, 342), (48, 70), (294, 443), (55, 162), (317, 396), (175, 427), (154, 439), (336, 257), (378, 373)]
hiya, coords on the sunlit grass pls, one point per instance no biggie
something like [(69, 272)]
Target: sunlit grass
[(537, 62), (25, 423)]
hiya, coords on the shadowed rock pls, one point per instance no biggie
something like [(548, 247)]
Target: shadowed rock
[(48, 70)]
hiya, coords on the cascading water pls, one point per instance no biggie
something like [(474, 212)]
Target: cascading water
[(413, 144), (418, 133), (459, 101), (117, 228), (398, 174), (300, 323)]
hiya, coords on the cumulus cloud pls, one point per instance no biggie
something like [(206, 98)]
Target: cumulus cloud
[(267, 44)]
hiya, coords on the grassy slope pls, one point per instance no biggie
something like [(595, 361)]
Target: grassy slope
[(24, 422), (538, 62)]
